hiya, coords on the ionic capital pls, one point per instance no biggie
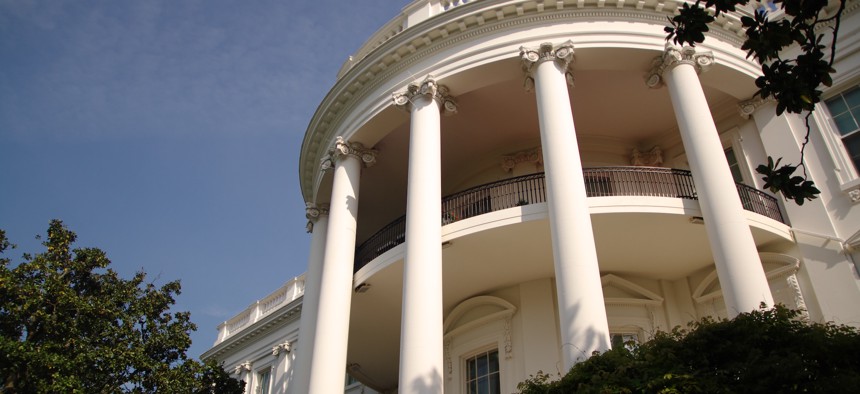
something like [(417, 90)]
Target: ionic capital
[(343, 148), (283, 347), (561, 54), (429, 88), (242, 368), (748, 107), (313, 213), (674, 56)]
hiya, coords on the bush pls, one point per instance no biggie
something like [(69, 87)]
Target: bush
[(765, 351)]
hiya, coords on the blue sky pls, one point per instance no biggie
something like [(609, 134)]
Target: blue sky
[(167, 133)]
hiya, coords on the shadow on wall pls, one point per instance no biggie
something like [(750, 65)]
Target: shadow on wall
[(431, 384), (586, 342)]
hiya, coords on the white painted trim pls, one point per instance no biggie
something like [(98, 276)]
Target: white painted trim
[(790, 266), (461, 309), (651, 298), (531, 212), (845, 172)]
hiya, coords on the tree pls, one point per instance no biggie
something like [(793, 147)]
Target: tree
[(70, 324), (764, 351), (793, 82)]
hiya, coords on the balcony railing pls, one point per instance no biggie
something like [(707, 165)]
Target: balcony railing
[(287, 293), (531, 189)]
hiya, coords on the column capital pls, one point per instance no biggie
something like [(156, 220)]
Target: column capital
[(561, 54), (242, 368), (430, 88), (748, 107), (674, 56), (282, 347), (313, 213), (343, 148)]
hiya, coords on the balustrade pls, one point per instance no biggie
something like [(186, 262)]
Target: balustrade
[(287, 293), (531, 189)]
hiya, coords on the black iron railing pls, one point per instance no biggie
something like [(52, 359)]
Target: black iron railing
[(531, 189)]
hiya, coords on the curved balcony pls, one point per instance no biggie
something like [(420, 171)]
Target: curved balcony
[(531, 189)]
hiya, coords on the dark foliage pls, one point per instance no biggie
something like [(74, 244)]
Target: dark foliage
[(794, 83), (70, 324), (766, 351)]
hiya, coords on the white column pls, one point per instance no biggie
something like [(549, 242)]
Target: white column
[(421, 329), (318, 227), (280, 369), (582, 313), (328, 364), (742, 278), (244, 372)]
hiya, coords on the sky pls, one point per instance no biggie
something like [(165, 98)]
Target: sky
[(167, 133)]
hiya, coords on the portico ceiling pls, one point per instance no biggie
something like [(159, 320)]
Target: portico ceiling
[(612, 108)]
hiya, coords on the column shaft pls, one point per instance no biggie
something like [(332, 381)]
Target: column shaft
[(421, 344), (742, 278), (310, 304), (328, 363), (582, 313)]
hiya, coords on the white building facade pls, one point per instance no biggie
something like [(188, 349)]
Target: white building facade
[(500, 187)]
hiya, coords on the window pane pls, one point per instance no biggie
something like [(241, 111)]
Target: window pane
[(494, 362), (845, 123), (852, 97), (494, 384), (734, 167), (482, 365), (617, 340), (484, 385), (483, 373), (265, 377), (852, 145), (837, 105), (845, 110)]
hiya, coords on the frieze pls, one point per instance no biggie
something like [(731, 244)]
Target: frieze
[(534, 155), (651, 158)]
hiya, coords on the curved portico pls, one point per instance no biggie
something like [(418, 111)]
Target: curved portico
[(594, 187), (423, 156)]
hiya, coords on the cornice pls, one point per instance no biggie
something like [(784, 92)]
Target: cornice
[(448, 29), (267, 324)]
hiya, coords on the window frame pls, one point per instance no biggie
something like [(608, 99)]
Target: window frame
[(840, 138), (846, 173), (731, 139), (258, 379), (627, 331), (467, 357)]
